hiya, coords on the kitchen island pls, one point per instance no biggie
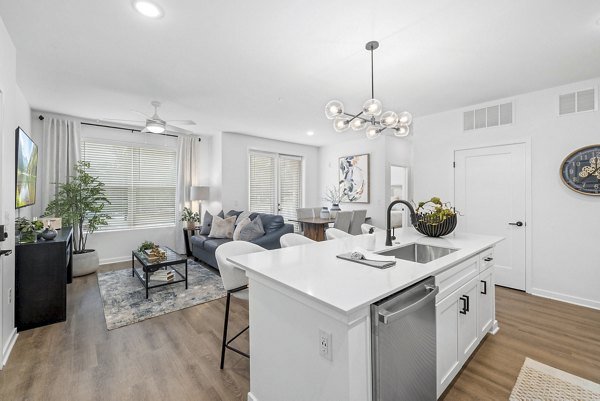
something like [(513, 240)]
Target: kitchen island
[(301, 293)]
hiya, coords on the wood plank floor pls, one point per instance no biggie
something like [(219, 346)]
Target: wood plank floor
[(176, 356)]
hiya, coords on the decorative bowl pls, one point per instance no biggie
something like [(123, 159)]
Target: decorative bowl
[(432, 227)]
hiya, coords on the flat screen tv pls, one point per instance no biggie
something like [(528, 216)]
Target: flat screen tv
[(26, 162)]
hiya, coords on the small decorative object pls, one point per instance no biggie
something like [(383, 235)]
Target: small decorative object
[(155, 254), (55, 223), (324, 213), (27, 230), (146, 245), (49, 234), (370, 239), (353, 177), (435, 219), (335, 196), (190, 217), (580, 171)]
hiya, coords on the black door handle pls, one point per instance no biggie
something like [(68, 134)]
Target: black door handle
[(484, 287), (518, 224), (463, 310), (5, 252)]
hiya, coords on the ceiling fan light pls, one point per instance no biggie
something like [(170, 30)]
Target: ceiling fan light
[(148, 9), (333, 109), (341, 124), (401, 130), (155, 127), (372, 107), (405, 118), (357, 124), (372, 131), (389, 119)]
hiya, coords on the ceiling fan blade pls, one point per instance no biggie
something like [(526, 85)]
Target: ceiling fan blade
[(146, 116), (124, 121), (181, 122)]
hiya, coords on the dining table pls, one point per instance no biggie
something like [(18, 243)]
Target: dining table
[(314, 227)]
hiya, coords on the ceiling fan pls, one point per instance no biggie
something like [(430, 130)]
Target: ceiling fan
[(155, 124)]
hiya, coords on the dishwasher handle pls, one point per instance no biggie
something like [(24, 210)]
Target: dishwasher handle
[(386, 316)]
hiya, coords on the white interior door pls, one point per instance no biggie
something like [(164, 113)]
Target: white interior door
[(490, 193), (4, 244)]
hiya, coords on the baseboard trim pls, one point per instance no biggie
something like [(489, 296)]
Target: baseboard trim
[(495, 328), (588, 303), (251, 397), (9, 346), (118, 259)]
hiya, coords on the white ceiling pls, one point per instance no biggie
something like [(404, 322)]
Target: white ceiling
[(268, 67)]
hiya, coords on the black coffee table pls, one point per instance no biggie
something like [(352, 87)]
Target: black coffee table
[(173, 260)]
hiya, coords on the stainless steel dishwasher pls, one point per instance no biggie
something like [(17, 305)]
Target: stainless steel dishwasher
[(403, 344)]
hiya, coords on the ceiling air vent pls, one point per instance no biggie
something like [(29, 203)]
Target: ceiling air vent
[(491, 116), (577, 102)]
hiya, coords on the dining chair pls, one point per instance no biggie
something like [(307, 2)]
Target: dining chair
[(358, 218), (304, 213), (235, 283), (293, 239), (316, 211), (342, 221), (365, 228), (334, 233)]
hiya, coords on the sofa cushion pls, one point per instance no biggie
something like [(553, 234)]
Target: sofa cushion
[(242, 216), (252, 230), (211, 244), (198, 240), (233, 213), (222, 228), (238, 228), (208, 218), (271, 222)]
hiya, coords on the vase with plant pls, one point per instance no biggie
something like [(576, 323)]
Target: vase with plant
[(26, 230), (334, 195), (435, 218), (80, 202), (190, 217)]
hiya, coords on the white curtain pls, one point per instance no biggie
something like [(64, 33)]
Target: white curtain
[(187, 157), (60, 151)]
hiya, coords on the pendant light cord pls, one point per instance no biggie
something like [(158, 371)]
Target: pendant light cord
[(372, 84)]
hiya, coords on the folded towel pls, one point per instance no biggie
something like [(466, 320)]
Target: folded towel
[(363, 254)]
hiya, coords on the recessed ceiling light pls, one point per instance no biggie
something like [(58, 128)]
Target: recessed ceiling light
[(310, 133), (148, 9)]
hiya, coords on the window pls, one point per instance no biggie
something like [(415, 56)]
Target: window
[(275, 183), (139, 181)]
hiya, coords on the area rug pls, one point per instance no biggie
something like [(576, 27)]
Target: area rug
[(124, 296), (537, 381)]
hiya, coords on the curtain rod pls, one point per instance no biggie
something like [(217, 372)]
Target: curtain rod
[(41, 117)]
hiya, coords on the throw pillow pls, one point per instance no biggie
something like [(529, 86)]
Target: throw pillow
[(208, 218), (239, 226), (222, 228), (253, 230), (242, 216)]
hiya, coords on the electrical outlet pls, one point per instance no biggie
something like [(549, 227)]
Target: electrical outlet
[(10, 295), (325, 344)]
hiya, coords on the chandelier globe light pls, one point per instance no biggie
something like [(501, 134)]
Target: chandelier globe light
[(372, 108)]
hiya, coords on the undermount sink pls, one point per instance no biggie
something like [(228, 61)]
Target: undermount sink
[(418, 252)]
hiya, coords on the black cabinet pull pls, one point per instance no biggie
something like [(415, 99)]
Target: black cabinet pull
[(484, 287), (518, 224), (468, 307), (465, 306), (488, 259)]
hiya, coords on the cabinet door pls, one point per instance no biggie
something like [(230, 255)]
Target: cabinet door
[(448, 363), (485, 302), (468, 331)]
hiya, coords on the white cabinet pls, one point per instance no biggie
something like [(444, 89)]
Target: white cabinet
[(463, 315)]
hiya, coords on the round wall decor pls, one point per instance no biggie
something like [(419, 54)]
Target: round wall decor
[(580, 171)]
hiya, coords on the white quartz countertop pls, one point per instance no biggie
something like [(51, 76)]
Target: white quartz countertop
[(314, 270)]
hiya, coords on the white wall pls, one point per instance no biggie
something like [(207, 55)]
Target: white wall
[(234, 167), (564, 224), (14, 111), (384, 151)]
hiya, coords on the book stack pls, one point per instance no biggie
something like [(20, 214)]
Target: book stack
[(163, 275)]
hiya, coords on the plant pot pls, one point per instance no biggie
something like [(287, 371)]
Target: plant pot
[(335, 208), (191, 225), (431, 228), (324, 213), (85, 263)]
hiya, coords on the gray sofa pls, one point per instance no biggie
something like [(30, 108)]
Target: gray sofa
[(204, 247)]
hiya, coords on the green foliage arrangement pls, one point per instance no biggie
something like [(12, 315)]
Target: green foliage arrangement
[(80, 202), (27, 229), (147, 245), (188, 215), (434, 211)]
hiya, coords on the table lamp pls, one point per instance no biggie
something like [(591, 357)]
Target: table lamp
[(199, 194)]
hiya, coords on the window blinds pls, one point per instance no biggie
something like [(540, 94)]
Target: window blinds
[(290, 185), (139, 181), (262, 197)]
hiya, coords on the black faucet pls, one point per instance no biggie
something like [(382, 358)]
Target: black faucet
[(413, 219)]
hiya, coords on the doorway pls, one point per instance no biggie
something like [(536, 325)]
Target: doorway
[(490, 189)]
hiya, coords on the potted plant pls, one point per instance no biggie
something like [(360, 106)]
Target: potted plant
[(334, 196), (27, 231), (190, 217), (435, 218), (80, 202)]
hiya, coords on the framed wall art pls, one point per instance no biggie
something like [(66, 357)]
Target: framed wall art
[(353, 174)]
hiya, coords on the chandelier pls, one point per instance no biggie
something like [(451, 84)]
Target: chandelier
[(371, 110)]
